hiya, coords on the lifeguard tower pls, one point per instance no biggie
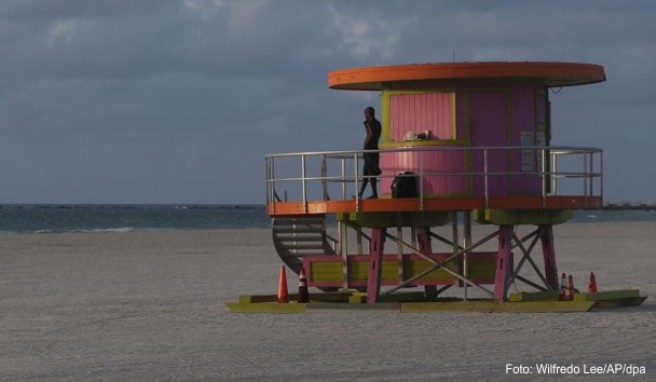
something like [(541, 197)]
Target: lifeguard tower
[(475, 138)]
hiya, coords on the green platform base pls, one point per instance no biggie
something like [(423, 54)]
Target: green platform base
[(265, 307), (414, 302), (612, 299), (419, 307), (534, 296), (516, 217), (394, 219), (499, 307)]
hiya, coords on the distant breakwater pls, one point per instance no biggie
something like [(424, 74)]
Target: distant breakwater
[(635, 206)]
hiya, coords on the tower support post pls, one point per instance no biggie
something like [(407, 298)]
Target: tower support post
[(504, 263), (424, 240), (376, 248)]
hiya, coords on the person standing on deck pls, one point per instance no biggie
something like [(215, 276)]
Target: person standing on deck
[(373, 129)]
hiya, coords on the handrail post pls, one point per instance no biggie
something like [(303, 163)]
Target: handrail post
[(303, 176), (267, 179), (590, 173), (343, 178), (272, 181), (601, 176), (553, 173), (324, 175), (355, 177), (543, 154), (421, 180), (485, 179), (585, 180), (466, 244)]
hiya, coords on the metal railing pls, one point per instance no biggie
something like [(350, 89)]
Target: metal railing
[(304, 173)]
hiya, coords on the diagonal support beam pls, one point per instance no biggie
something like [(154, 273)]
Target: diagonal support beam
[(411, 247), (444, 240), (549, 253), (528, 237), (439, 264), (527, 256), (531, 283)]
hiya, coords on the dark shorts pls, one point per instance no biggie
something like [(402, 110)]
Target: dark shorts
[(371, 164)]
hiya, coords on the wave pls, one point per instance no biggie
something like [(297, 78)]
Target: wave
[(93, 230)]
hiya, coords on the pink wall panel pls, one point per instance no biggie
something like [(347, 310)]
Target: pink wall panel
[(523, 111), (420, 112), (488, 123), (461, 112), (488, 128), (497, 117), (541, 108), (523, 120), (437, 165)]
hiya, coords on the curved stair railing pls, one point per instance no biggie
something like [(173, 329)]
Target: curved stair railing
[(296, 237)]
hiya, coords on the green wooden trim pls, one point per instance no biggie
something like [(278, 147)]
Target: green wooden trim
[(405, 297), (388, 306), (393, 219), (407, 303), (612, 298), (328, 271), (265, 307), (368, 219), (607, 295), (320, 297), (620, 302), (385, 116), (413, 268), (534, 296), (514, 217), (498, 307), (248, 299), (358, 298), (481, 269), (420, 307)]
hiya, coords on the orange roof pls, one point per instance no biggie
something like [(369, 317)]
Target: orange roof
[(551, 74)]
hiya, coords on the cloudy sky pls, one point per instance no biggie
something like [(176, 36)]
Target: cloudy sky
[(178, 101)]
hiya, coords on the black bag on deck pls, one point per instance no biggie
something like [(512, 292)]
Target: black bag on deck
[(405, 185)]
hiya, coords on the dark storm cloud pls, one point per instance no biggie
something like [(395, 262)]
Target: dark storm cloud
[(178, 101)]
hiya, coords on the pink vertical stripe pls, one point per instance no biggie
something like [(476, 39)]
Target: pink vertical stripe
[(420, 112)]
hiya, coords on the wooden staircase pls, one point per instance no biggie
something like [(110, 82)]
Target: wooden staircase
[(297, 237)]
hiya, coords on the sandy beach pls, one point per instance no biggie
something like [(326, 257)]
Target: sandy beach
[(151, 306)]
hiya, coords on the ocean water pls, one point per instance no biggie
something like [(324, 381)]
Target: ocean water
[(126, 218)]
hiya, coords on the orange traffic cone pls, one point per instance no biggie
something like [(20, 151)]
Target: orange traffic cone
[(563, 287), (303, 294), (592, 284), (283, 296), (570, 288)]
